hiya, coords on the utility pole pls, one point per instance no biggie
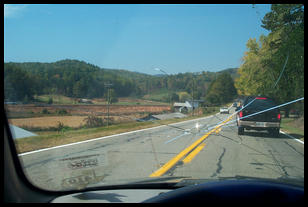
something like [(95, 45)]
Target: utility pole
[(169, 96), (193, 97), (193, 94), (108, 85)]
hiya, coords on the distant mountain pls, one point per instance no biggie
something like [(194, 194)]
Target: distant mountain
[(72, 63), (160, 75), (75, 78)]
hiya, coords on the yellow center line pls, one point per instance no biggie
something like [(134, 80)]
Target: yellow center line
[(218, 130), (193, 153), (178, 157)]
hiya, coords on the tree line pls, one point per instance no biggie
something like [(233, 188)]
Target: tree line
[(78, 79), (274, 65)]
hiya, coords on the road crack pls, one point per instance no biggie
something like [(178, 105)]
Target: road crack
[(219, 166), (282, 168)]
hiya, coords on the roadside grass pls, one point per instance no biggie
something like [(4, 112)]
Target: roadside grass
[(46, 139), (293, 126)]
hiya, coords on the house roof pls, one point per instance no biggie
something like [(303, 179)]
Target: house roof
[(186, 104), (180, 104)]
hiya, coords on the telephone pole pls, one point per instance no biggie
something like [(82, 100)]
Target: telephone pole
[(169, 95), (108, 85), (193, 108)]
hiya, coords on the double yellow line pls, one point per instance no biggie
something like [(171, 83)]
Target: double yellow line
[(191, 151)]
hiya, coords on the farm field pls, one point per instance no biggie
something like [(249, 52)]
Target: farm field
[(31, 115), (60, 99), (88, 109), (70, 121)]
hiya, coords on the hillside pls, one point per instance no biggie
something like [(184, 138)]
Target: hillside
[(231, 71), (79, 79)]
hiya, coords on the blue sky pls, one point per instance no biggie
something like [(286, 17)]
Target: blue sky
[(175, 38)]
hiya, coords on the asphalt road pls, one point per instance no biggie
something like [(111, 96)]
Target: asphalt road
[(178, 150)]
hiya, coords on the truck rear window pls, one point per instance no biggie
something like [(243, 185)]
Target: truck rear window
[(260, 104)]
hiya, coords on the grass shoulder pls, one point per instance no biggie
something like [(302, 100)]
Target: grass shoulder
[(294, 127)]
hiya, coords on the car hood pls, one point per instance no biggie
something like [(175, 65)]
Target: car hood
[(170, 182)]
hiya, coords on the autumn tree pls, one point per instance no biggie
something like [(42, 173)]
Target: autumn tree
[(274, 65)]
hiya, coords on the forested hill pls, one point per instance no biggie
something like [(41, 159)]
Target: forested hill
[(231, 71), (74, 78)]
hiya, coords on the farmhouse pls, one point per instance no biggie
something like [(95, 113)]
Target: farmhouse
[(83, 100), (187, 106)]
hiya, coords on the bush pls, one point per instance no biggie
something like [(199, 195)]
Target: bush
[(50, 100), (62, 112), (45, 111), (207, 110), (93, 121), (26, 100), (61, 128)]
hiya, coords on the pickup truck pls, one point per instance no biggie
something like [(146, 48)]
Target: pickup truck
[(224, 110), (269, 120)]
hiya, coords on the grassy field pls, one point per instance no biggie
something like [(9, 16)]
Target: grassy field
[(294, 127), (59, 99), (158, 96), (46, 122)]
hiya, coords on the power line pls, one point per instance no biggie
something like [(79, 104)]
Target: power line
[(282, 71)]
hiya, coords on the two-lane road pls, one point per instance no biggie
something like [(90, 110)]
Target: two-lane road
[(160, 151)]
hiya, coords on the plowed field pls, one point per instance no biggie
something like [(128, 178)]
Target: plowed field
[(77, 114)]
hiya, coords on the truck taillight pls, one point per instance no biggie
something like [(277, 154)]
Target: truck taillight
[(262, 98), (279, 116), (241, 114)]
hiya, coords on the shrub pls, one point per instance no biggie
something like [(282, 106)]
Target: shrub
[(45, 111), (93, 121), (62, 112), (50, 101), (61, 127)]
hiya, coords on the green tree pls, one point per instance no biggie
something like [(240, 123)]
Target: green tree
[(174, 97), (274, 66), (18, 84), (184, 96), (222, 90), (50, 100)]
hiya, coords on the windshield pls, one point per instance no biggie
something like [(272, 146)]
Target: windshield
[(100, 95)]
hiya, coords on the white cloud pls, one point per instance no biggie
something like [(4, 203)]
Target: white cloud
[(13, 10)]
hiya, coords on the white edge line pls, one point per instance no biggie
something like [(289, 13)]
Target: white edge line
[(106, 137), (292, 137)]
